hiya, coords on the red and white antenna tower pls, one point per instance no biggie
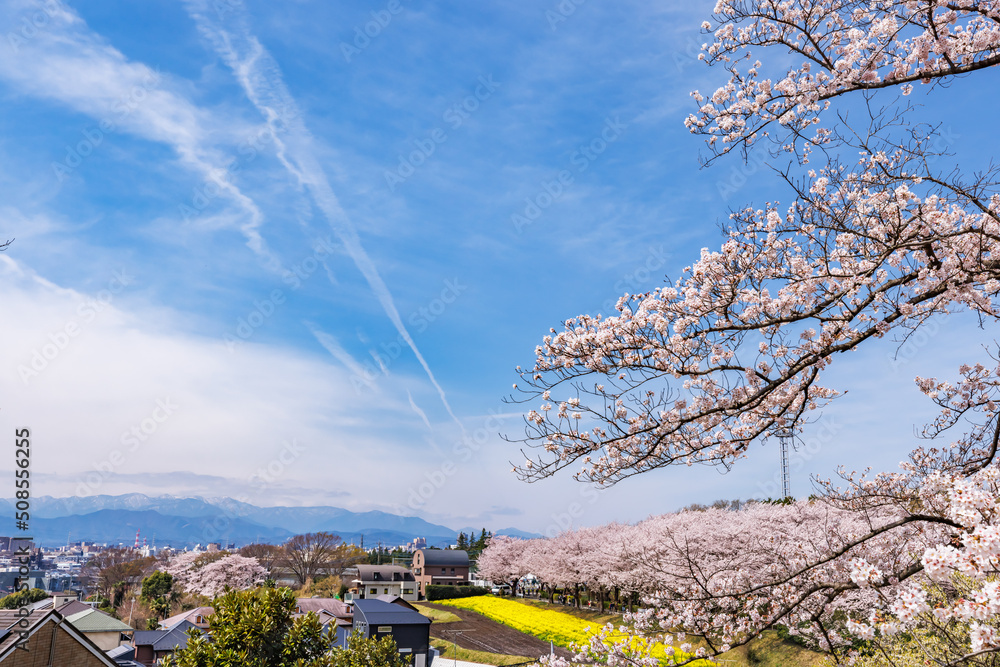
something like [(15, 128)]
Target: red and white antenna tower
[(136, 546)]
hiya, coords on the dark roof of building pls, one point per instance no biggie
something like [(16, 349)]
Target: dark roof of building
[(379, 612), (395, 599), (123, 652), (384, 573), (439, 557), (74, 607), (164, 640), (9, 618)]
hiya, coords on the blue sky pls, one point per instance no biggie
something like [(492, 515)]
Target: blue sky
[(261, 252)]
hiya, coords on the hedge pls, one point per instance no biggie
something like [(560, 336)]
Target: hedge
[(449, 592)]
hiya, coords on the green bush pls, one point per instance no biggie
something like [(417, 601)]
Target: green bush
[(449, 592), (22, 598)]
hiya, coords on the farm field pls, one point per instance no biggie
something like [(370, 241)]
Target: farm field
[(768, 651), (475, 632)]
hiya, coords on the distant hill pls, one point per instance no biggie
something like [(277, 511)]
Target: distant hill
[(183, 522), (523, 534), (119, 526)]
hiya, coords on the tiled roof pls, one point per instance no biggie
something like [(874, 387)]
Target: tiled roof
[(10, 632), (332, 605), (73, 607), (9, 618), (93, 620)]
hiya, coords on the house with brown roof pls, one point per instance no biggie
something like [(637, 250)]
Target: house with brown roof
[(48, 640)]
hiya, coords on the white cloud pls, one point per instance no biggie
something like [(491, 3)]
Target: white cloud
[(107, 384)]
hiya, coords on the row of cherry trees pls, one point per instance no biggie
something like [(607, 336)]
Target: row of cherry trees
[(884, 231)]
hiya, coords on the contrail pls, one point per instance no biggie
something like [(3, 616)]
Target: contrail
[(259, 75), (334, 347), (416, 408)]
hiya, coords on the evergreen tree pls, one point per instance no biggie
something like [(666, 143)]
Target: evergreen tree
[(482, 540), (255, 628)]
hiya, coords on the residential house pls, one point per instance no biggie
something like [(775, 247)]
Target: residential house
[(103, 629), (50, 641), (369, 581), (409, 628), (152, 645), (440, 567), (336, 616), (198, 617)]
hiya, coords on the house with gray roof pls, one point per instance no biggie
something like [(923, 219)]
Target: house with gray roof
[(152, 645), (410, 629)]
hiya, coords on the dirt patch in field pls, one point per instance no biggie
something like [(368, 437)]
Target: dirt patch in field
[(479, 633)]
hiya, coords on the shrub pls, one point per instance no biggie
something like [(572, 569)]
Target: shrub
[(449, 592), (22, 598)]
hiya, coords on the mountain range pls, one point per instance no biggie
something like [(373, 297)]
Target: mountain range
[(180, 522)]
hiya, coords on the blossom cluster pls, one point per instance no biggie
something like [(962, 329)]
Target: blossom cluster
[(195, 575), (840, 47)]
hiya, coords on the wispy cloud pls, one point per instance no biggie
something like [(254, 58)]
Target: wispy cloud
[(66, 62), (261, 78)]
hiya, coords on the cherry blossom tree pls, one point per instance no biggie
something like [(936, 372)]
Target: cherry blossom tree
[(878, 238), (503, 560), (212, 578)]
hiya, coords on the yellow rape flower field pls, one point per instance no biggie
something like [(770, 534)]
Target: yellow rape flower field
[(547, 624)]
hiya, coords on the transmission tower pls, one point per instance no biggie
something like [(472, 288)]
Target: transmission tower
[(785, 440)]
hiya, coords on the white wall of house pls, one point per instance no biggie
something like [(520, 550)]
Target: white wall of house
[(105, 640), (404, 589)]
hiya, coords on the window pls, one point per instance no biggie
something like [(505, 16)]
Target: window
[(407, 591), (442, 570), (373, 591), (453, 570), (387, 591)]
